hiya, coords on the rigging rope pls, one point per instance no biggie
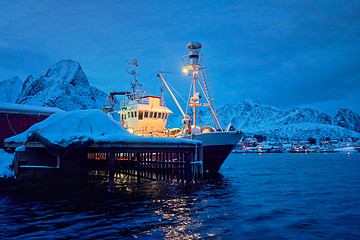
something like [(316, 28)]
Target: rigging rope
[(176, 92), (7, 117), (172, 73), (202, 119)]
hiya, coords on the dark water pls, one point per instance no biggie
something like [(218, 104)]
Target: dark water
[(269, 196)]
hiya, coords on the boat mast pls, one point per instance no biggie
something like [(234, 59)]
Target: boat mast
[(136, 83), (194, 106), (193, 62)]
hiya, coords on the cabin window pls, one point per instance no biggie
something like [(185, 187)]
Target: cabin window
[(151, 114), (146, 114), (122, 116), (163, 115), (128, 114), (125, 116), (155, 114), (140, 115), (132, 114), (159, 115), (135, 114)]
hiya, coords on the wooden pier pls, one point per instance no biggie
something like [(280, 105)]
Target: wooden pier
[(167, 160)]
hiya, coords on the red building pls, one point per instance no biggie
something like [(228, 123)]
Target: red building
[(16, 118)]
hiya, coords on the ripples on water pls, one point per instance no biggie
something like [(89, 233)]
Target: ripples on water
[(268, 196)]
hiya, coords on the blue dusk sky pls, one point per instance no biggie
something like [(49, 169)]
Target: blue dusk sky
[(283, 53)]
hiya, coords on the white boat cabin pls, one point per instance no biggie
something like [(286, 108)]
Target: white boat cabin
[(145, 116)]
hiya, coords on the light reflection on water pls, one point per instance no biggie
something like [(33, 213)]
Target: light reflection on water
[(277, 196)]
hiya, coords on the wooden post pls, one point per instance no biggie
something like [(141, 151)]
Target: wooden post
[(201, 159), (171, 166), (181, 167), (138, 169), (111, 171), (188, 175)]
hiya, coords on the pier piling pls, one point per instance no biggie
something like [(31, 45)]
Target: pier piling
[(171, 161)]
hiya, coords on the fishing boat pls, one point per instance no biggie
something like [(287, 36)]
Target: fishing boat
[(146, 115), (217, 142)]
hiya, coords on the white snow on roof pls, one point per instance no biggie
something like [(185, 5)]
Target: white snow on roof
[(25, 109), (66, 127)]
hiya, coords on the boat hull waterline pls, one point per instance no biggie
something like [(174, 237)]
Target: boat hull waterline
[(216, 148)]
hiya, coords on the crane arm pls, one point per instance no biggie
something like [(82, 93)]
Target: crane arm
[(172, 95)]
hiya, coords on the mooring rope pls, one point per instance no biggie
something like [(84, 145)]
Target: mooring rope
[(7, 117)]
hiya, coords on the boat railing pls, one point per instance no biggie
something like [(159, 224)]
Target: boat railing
[(122, 104)]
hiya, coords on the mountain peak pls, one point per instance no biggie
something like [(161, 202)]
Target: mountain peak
[(348, 119), (65, 68), (65, 86), (252, 102), (343, 109)]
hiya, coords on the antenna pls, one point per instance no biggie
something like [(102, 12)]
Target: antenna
[(162, 96), (162, 84), (135, 83), (127, 63), (163, 56), (126, 68)]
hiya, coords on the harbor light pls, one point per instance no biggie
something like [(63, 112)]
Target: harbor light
[(185, 70)]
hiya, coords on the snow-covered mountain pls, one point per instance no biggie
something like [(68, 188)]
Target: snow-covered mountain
[(65, 86), (253, 117), (10, 89), (348, 119)]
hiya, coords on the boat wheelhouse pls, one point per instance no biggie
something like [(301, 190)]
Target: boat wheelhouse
[(145, 116), (139, 113)]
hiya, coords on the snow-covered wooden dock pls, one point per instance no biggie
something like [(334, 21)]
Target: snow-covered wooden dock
[(82, 143)]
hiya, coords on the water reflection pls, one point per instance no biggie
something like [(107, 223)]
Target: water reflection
[(256, 198), (146, 209)]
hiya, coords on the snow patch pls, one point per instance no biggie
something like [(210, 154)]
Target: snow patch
[(6, 159)]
